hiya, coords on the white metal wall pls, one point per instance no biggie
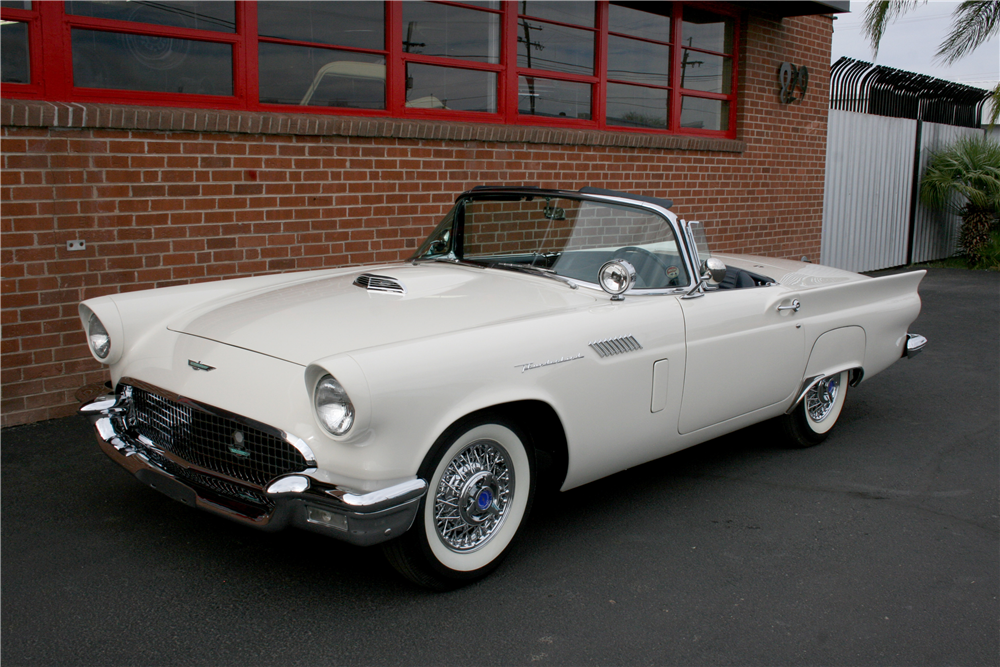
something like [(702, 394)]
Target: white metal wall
[(935, 233), (869, 179), (866, 203)]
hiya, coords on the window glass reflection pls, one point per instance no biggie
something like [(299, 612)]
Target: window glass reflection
[(125, 61), (642, 62), (577, 13), (357, 24), (431, 87), (704, 30), (197, 14), (553, 47), (320, 77), (639, 23), (704, 114), (701, 71), (15, 63), (635, 106), (451, 32), (548, 97), (15, 4)]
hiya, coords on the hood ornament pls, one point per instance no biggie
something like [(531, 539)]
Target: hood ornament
[(198, 366)]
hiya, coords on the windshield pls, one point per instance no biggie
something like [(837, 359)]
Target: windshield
[(565, 237)]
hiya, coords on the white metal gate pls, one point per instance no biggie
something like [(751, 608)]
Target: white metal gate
[(869, 189)]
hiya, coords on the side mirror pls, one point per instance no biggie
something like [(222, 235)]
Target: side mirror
[(713, 268)]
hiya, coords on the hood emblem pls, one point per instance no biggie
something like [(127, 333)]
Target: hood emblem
[(198, 366)]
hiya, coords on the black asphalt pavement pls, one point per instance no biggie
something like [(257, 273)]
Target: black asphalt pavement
[(879, 547)]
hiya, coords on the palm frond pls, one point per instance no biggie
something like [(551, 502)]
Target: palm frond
[(973, 23), (878, 15), (962, 176)]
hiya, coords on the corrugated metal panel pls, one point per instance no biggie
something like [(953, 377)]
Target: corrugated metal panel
[(935, 233), (866, 204)]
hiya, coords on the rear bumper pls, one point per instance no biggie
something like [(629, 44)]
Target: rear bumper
[(297, 499)]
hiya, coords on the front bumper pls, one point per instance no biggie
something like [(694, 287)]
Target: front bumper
[(297, 499)]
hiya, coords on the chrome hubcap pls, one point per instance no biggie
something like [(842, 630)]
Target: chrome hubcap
[(821, 397), (472, 499)]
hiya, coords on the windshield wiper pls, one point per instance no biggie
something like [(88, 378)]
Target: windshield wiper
[(448, 260), (533, 270)]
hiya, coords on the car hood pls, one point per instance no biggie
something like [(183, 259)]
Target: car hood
[(321, 316)]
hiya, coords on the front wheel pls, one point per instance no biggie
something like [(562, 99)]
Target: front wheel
[(480, 484), (817, 412)]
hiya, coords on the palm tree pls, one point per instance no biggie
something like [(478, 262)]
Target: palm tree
[(970, 169), (973, 23)]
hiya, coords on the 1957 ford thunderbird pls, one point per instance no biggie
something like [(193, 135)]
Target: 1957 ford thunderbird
[(536, 336)]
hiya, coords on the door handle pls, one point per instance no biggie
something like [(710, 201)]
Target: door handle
[(794, 306)]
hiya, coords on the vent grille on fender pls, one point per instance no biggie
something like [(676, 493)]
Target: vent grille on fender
[(613, 346), (374, 283)]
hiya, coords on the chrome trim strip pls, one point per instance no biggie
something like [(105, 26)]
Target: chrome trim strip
[(292, 440)]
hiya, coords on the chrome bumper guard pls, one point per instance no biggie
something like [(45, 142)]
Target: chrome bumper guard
[(299, 499), (914, 344)]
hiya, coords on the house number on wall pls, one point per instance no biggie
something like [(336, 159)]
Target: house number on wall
[(792, 78)]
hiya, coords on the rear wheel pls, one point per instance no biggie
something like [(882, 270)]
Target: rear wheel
[(817, 412), (481, 482)]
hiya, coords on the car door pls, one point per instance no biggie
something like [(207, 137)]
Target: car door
[(744, 353)]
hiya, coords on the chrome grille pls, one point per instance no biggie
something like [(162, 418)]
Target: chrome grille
[(201, 481), (212, 442)]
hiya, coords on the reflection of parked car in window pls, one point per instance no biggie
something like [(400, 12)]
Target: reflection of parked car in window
[(535, 336), (365, 72)]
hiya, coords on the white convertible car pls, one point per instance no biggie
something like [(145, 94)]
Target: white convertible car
[(537, 336)]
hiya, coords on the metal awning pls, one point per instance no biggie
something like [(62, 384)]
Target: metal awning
[(795, 8)]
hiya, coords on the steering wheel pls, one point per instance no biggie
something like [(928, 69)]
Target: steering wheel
[(634, 248)]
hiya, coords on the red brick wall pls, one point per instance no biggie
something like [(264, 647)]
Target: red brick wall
[(169, 196)]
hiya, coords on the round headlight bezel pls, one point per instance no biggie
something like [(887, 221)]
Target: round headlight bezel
[(333, 407), (97, 330)]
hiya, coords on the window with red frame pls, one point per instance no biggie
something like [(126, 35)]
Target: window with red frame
[(629, 66)]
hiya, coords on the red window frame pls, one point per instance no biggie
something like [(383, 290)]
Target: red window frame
[(51, 60), (36, 88)]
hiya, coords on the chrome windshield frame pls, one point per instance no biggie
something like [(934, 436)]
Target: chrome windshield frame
[(683, 242)]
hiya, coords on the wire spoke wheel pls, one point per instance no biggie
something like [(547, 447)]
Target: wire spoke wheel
[(472, 499), (811, 420), (821, 398), (480, 483)]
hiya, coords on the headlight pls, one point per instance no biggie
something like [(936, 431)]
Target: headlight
[(97, 336), (333, 406)]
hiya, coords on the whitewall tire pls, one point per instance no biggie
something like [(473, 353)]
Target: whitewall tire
[(817, 412), (480, 484)]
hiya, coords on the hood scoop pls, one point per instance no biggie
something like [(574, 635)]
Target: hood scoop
[(375, 283)]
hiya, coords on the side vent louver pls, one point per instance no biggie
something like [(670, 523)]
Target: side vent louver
[(374, 283), (613, 346)]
